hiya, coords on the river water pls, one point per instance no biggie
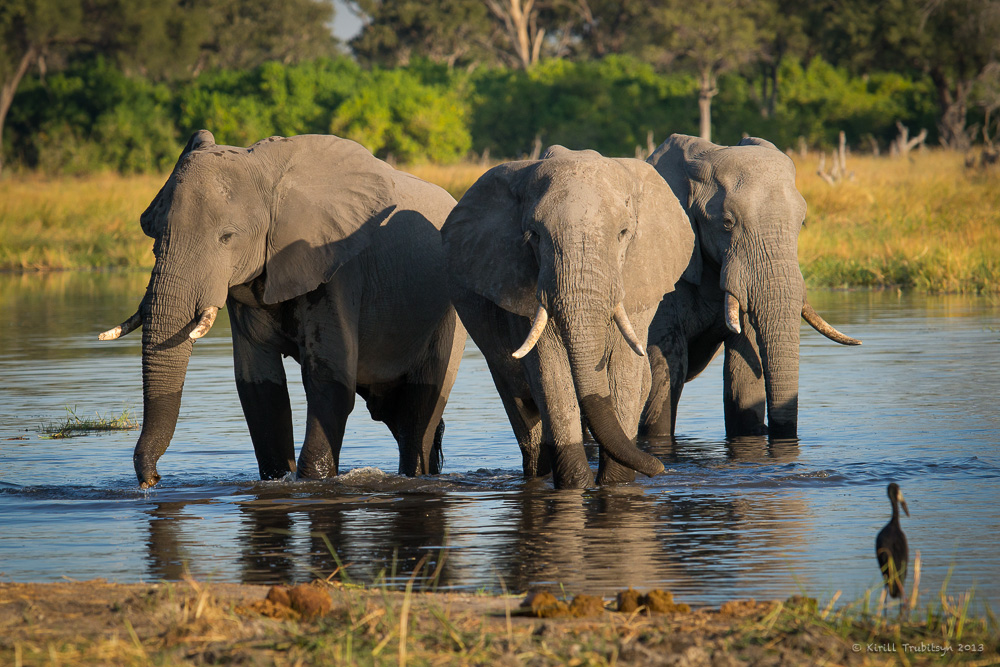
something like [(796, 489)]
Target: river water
[(916, 404)]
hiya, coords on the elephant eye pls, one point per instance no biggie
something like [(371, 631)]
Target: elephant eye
[(225, 238), (622, 234), (530, 236), (728, 223)]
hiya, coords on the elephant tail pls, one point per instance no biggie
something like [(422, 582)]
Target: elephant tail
[(435, 461)]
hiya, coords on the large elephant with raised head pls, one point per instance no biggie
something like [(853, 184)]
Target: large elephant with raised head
[(743, 290), (557, 266), (322, 253)]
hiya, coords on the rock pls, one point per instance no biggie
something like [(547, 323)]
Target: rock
[(662, 602), (543, 604), (310, 601), (628, 601), (586, 605)]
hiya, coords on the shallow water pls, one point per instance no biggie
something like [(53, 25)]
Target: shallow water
[(916, 404)]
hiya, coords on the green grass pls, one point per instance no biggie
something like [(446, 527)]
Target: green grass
[(76, 425), (925, 223)]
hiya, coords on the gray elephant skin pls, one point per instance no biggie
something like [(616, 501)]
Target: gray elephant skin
[(322, 253), (743, 290), (594, 242)]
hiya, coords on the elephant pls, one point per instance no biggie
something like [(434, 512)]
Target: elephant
[(323, 253), (581, 237), (744, 277)]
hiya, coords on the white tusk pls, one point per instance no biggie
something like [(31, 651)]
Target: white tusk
[(732, 307), (128, 326), (205, 322), (625, 326), (537, 326), (814, 319)]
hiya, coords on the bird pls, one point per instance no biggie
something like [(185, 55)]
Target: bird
[(890, 546)]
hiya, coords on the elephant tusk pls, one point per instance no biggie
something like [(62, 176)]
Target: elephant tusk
[(205, 322), (537, 326), (128, 326), (732, 307), (819, 324), (625, 326)]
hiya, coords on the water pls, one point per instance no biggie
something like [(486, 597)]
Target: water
[(916, 404)]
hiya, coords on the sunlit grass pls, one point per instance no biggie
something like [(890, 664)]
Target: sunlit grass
[(925, 223), (75, 222)]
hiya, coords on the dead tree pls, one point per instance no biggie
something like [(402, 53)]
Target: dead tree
[(838, 171), (902, 145)]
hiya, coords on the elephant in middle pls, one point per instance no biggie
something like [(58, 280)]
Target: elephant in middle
[(556, 268)]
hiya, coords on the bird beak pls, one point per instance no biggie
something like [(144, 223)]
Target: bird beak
[(902, 503)]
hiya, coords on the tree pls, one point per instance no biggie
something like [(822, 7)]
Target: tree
[(710, 37), (781, 24), (29, 29), (448, 31), (953, 42)]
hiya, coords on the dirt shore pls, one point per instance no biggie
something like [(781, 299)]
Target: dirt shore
[(184, 623)]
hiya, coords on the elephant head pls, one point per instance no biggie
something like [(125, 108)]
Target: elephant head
[(747, 214), (289, 211), (582, 239)]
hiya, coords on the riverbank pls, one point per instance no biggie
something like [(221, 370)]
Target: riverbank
[(100, 623), (926, 223)]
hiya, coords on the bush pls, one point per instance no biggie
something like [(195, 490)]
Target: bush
[(392, 113)]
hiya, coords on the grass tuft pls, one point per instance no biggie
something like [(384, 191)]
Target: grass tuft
[(76, 425)]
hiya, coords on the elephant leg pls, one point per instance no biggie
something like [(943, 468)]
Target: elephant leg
[(329, 377), (668, 370), (744, 393), (329, 403), (494, 331), (263, 392)]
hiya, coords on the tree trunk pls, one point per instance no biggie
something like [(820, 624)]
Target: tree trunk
[(706, 92), (9, 87)]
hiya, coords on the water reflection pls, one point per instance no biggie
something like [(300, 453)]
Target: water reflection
[(530, 537)]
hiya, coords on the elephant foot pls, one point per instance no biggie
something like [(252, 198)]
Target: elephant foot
[(323, 468), (570, 469), (612, 472), (149, 482)]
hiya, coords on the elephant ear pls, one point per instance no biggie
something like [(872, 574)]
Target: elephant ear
[(755, 141), (331, 194), (484, 240), (677, 161), (154, 217), (664, 244)]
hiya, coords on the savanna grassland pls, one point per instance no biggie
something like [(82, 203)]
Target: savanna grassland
[(925, 222)]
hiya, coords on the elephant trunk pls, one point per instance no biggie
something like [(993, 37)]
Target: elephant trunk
[(775, 318), (168, 312), (585, 323)]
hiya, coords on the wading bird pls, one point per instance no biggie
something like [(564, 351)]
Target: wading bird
[(890, 546)]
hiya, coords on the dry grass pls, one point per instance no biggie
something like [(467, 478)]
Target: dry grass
[(74, 222), (96, 623), (926, 223)]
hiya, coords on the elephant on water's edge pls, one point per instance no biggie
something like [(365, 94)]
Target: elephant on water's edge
[(322, 253), (557, 266), (744, 288)]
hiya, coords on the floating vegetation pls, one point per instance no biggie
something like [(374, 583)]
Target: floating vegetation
[(76, 425)]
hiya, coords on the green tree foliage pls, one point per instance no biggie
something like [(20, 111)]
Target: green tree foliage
[(29, 30), (710, 38), (394, 113), (454, 32), (609, 105)]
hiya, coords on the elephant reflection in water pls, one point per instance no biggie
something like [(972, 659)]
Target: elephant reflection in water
[(596, 543)]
